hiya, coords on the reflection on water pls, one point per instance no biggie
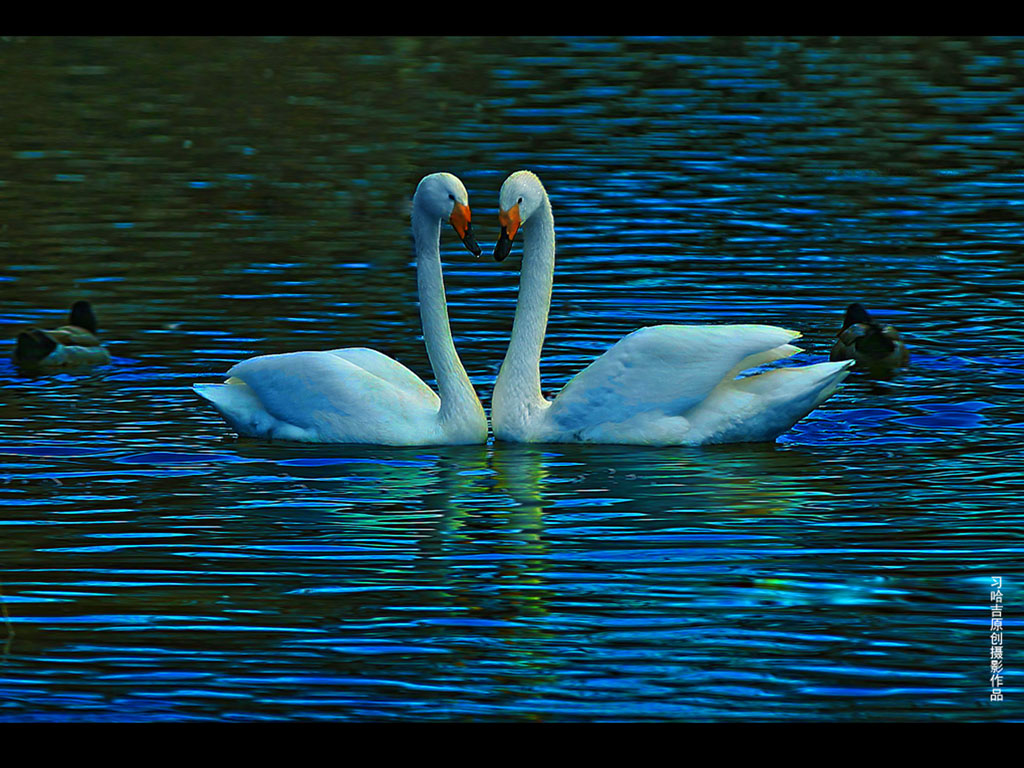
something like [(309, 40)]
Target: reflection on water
[(220, 198)]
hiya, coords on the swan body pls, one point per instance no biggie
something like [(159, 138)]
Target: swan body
[(359, 395), (875, 348), (74, 345), (661, 385)]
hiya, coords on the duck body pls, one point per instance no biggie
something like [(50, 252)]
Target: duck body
[(875, 348), (74, 345)]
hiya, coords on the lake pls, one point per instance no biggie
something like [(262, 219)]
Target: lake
[(220, 198)]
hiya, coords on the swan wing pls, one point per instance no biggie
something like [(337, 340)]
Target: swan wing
[(390, 370), (667, 369), (323, 397)]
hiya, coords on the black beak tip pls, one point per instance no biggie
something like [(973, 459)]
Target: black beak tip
[(470, 242), (503, 247)]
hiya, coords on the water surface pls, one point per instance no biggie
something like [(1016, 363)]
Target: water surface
[(221, 198)]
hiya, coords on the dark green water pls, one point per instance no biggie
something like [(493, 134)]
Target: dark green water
[(221, 198)]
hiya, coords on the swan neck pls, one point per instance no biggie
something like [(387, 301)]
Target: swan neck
[(454, 387), (519, 377)]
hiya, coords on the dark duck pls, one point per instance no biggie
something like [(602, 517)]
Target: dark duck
[(875, 348), (73, 345)]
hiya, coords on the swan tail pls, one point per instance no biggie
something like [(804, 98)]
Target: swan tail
[(239, 406), (235, 403), (833, 375), (811, 383), (763, 406)]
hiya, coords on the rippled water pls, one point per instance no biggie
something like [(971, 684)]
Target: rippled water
[(220, 198)]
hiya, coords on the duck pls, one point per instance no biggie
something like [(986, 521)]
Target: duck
[(875, 348), (74, 345)]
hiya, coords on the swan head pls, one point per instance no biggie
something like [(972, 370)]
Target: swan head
[(521, 195), (444, 196)]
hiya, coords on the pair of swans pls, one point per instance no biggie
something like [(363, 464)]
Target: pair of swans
[(662, 385)]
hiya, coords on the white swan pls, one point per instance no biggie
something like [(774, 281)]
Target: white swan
[(662, 385), (359, 395)]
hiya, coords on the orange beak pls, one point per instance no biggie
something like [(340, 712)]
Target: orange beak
[(460, 222), (460, 219), (510, 221), (509, 226)]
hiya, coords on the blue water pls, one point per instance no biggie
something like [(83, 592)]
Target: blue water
[(220, 198)]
